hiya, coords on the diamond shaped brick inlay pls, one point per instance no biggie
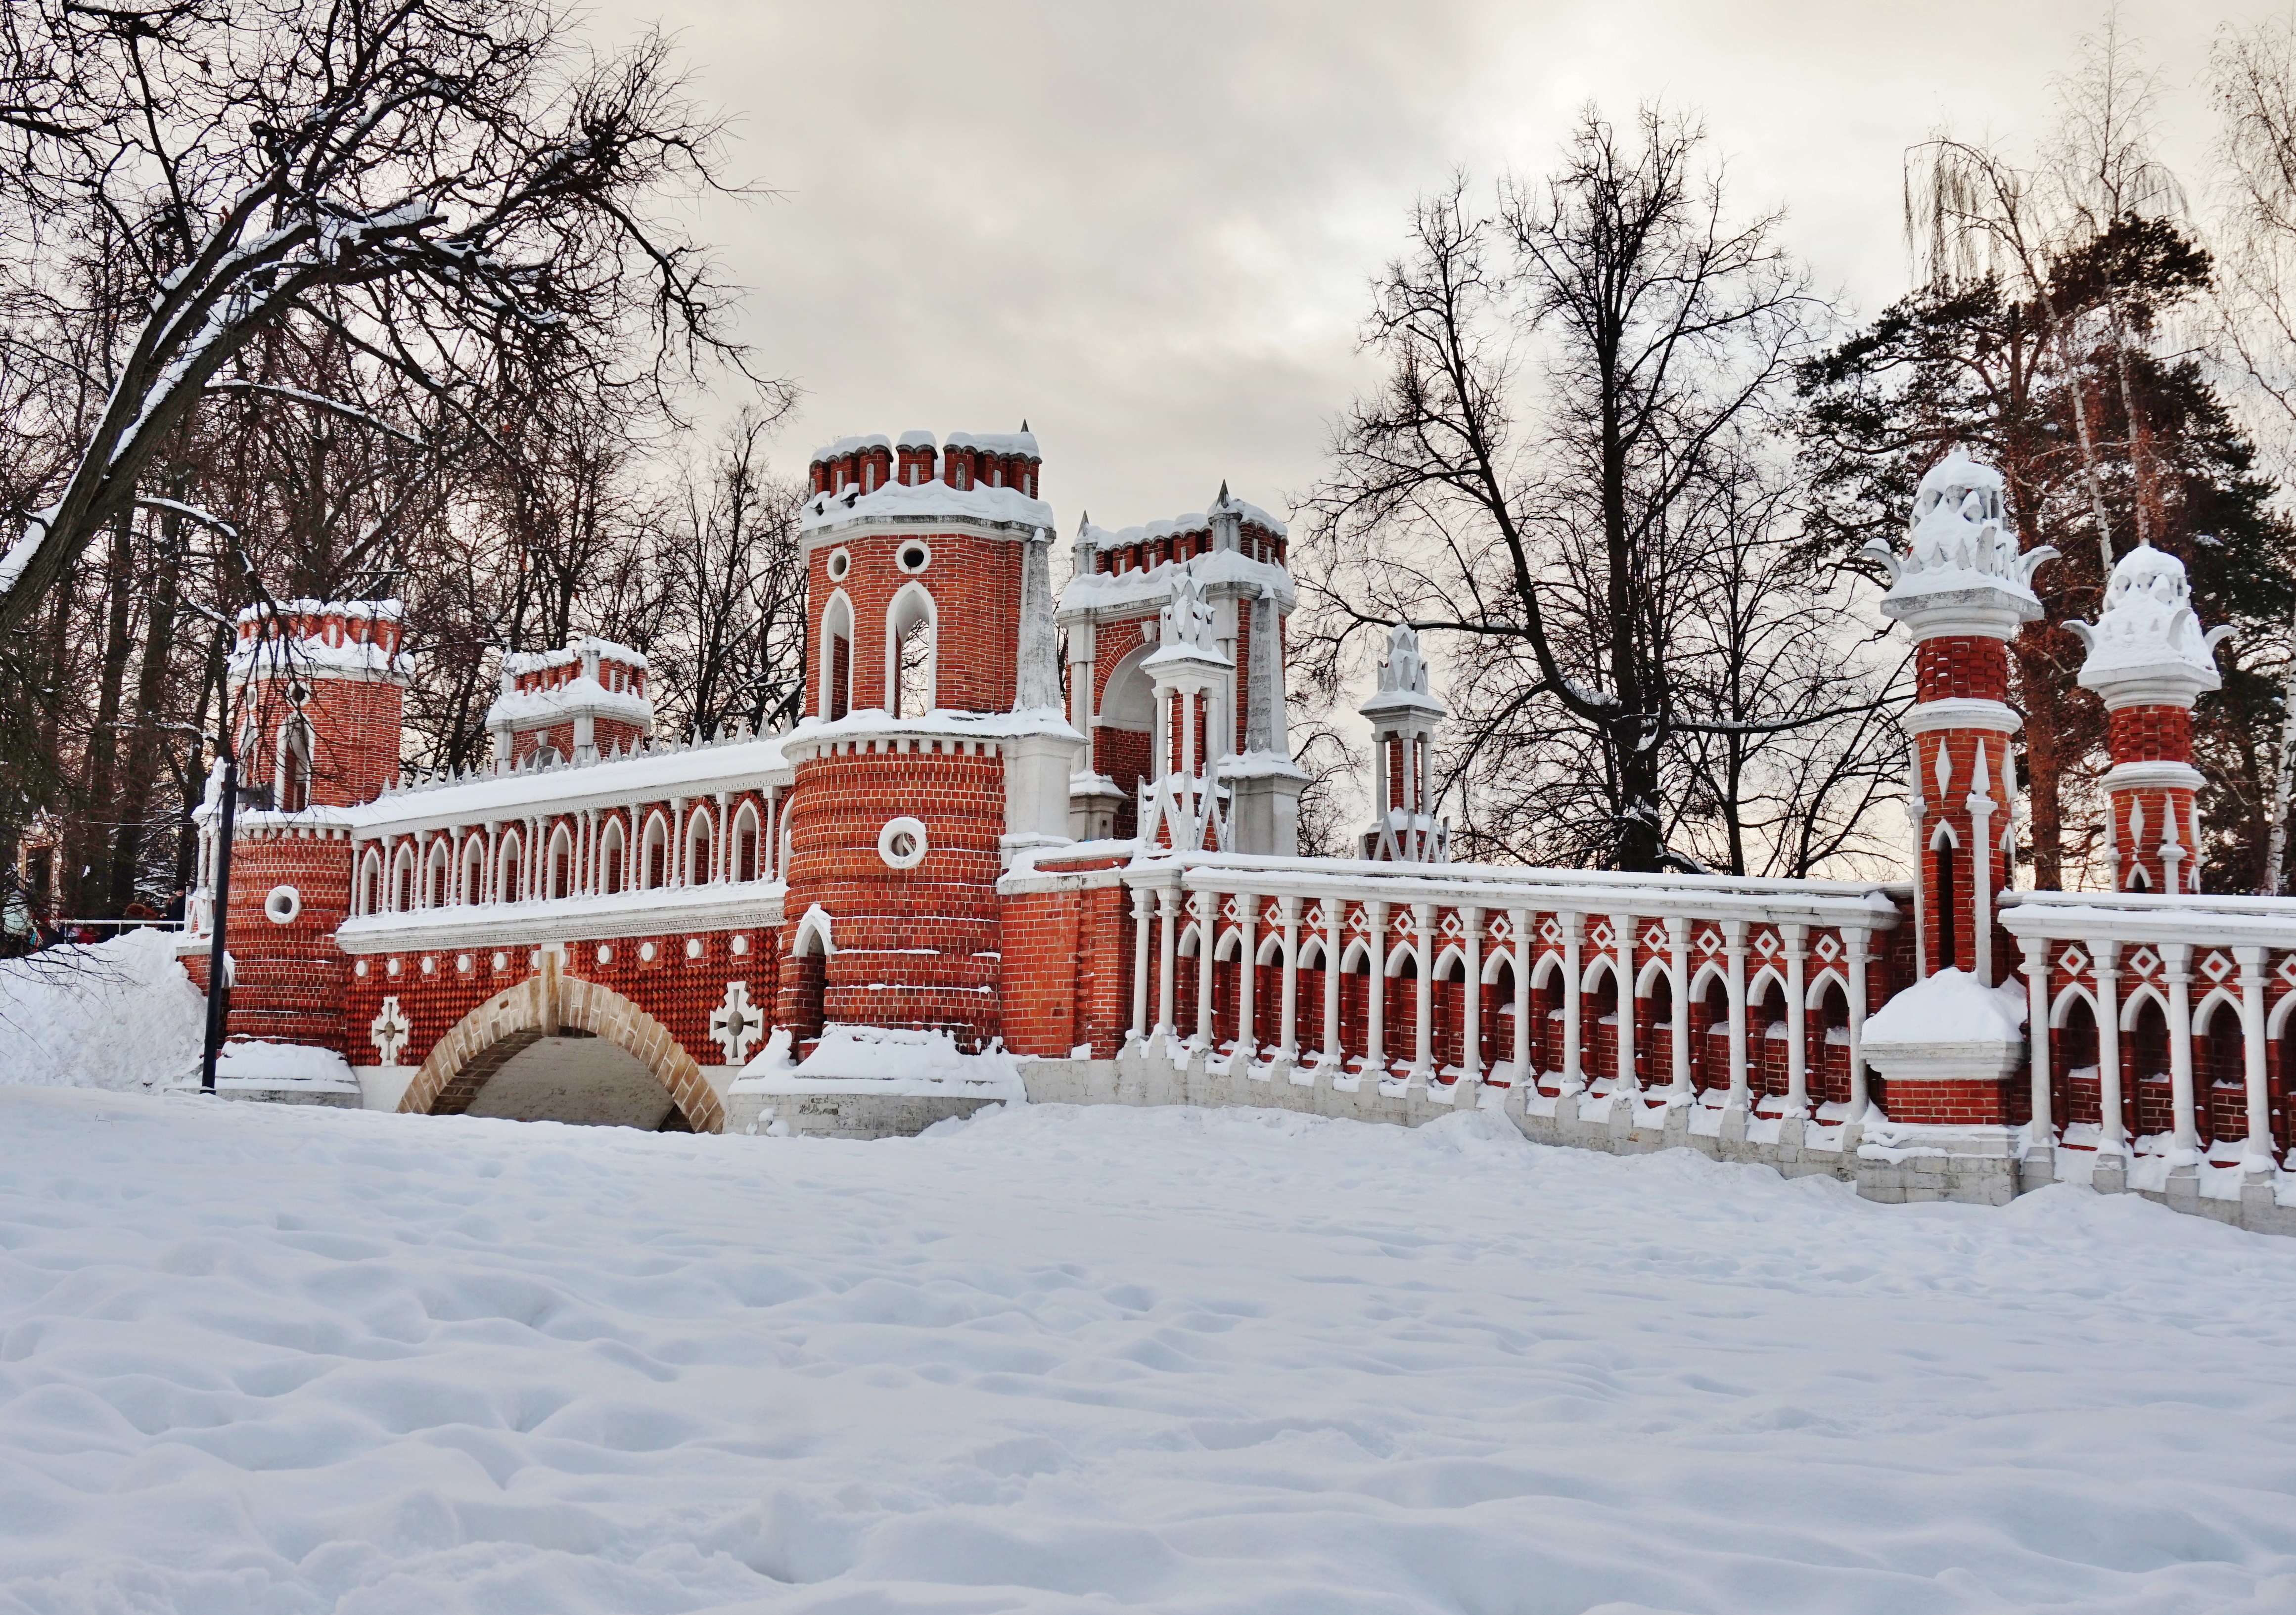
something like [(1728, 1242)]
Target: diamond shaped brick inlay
[(1766, 944), (1551, 930), (1502, 929), (2216, 967), (1827, 948), (1228, 910), (2144, 962), (2072, 962), (1604, 936), (2288, 970), (1451, 926), (1709, 943), (1654, 938), (1358, 924)]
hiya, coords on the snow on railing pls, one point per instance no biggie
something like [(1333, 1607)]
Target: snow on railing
[(1509, 975)]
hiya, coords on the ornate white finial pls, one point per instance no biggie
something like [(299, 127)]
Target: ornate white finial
[(1961, 569), (1187, 619), (1404, 670), (2147, 643)]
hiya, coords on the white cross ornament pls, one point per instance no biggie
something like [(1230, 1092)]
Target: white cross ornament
[(387, 1030), (737, 1024)]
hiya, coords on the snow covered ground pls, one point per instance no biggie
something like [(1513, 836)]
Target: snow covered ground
[(119, 1014), (259, 1359)]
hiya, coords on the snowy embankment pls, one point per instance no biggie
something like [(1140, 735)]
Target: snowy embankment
[(119, 1014), (258, 1359)]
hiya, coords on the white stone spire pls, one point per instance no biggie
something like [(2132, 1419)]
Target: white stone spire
[(1037, 686)]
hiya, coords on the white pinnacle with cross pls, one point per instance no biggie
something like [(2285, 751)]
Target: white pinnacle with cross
[(387, 1030), (737, 1024)]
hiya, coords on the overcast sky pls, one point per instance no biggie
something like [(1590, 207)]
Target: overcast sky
[(1149, 229)]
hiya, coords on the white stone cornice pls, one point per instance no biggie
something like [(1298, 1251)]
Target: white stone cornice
[(2160, 775), (1963, 712), (726, 905)]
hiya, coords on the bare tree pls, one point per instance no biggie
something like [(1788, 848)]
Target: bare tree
[(728, 554), (445, 184), (1547, 537)]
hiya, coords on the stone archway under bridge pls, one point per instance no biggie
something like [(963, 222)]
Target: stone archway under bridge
[(550, 1007)]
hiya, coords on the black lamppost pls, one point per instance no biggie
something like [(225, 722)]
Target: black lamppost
[(218, 962)]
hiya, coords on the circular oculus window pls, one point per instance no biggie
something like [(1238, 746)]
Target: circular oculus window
[(915, 555), (283, 905), (901, 843), (841, 561)]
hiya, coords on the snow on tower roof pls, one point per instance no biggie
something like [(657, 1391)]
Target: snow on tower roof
[(852, 445), (1189, 522), (910, 439), (912, 505), (2148, 629), (997, 442)]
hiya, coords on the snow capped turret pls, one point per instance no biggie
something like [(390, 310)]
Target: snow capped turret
[(1404, 717), (1402, 681), (1960, 553), (2146, 645)]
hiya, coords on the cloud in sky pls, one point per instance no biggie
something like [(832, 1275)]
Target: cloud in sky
[(1149, 229)]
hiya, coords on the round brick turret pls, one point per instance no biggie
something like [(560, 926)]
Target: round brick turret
[(2149, 659), (916, 765)]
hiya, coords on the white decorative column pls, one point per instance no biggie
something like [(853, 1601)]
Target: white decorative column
[(2257, 1159), (1422, 1061), (1574, 1073), (1289, 907), (1677, 942), (1855, 939), (1471, 1051), (1734, 950), (1334, 930), (2185, 1150), (1622, 942), (1375, 991), (1247, 959), (1167, 902), (1519, 942), (2113, 1138), (2041, 1132), (1796, 937), (1206, 904), (1144, 909)]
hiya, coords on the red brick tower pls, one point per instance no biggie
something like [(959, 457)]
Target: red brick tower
[(1949, 1045), (2150, 661), (317, 692), (934, 744), (571, 704), (1404, 718)]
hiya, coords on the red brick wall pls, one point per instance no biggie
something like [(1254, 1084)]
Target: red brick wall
[(289, 979), (680, 992), (1962, 1103), (2138, 735), (975, 585), (354, 735), (1968, 668), (913, 947)]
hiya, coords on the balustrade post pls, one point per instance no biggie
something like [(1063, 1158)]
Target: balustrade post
[(2113, 1137), (1143, 908), (1622, 944), (1797, 941), (2041, 1133), (1471, 1051), (1677, 942), (1519, 941), (1375, 991), (1207, 909), (1334, 928), (1247, 959), (1854, 938), (1290, 908), (1167, 905), (2258, 1156), (1423, 926), (1574, 1077), (1734, 950), (2184, 1148)]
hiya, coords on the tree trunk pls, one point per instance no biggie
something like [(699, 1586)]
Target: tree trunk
[(98, 813), (143, 740), (2036, 674)]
